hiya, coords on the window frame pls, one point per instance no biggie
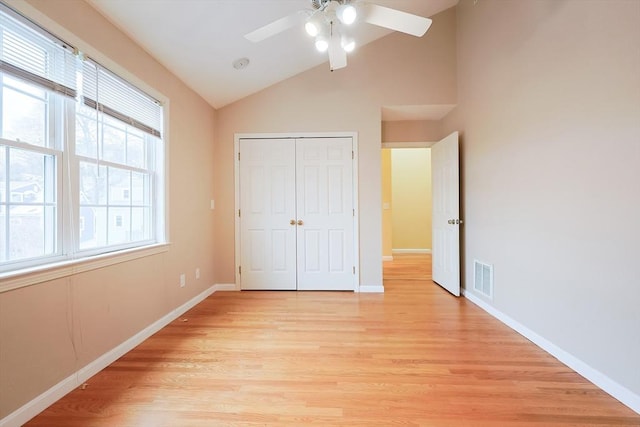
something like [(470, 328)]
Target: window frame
[(75, 261), (52, 146), (154, 155)]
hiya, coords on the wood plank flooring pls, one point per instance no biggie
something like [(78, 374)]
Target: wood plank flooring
[(414, 356)]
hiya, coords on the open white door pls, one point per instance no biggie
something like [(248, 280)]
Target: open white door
[(446, 213)]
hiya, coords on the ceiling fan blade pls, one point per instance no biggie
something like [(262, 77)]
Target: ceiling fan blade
[(337, 55), (396, 20), (277, 26)]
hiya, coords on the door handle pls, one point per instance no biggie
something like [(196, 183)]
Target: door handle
[(292, 222), (300, 222)]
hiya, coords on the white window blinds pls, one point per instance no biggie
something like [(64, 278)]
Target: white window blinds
[(30, 53), (106, 92)]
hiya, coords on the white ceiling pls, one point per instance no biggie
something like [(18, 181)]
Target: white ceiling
[(198, 40)]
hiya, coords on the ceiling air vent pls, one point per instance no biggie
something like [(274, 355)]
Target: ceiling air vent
[(483, 278)]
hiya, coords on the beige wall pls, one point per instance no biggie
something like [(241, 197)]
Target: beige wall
[(549, 110), (412, 131), (51, 330), (387, 207), (411, 198), (395, 70)]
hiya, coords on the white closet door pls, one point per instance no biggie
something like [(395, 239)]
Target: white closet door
[(267, 206), (325, 231)]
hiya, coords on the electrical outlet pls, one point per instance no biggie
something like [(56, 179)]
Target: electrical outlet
[(183, 280), (213, 204), (198, 273)]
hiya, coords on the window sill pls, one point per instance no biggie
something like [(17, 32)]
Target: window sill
[(44, 273)]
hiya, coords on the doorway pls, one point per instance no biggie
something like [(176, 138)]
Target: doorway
[(406, 201), (444, 216)]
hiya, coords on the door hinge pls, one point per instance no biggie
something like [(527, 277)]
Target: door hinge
[(353, 156), (354, 212), (238, 156), (239, 270), (354, 269), (238, 213)]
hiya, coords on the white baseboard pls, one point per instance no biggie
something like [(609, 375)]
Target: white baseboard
[(23, 414), (616, 390), (411, 251), (387, 258), (225, 287), (371, 289)]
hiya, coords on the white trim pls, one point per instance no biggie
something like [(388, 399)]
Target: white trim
[(225, 287), (296, 135), (422, 144), (369, 289), (616, 390), (45, 273), (387, 258), (411, 251), (355, 178), (299, 135), (236, 219), (44, 400)]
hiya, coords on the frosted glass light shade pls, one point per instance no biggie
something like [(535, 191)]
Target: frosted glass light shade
[(347, 14), (322, 44), (348, 44), (312, 28)]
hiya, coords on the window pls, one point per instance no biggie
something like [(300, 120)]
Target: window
[(80, 165), (116, 163)]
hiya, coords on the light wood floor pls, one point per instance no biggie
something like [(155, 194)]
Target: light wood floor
[(414, 356)]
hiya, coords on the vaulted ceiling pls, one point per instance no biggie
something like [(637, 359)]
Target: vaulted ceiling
[(198, 40)]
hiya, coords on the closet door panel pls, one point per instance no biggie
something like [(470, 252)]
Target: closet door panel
[(267, 206), (324, 199)]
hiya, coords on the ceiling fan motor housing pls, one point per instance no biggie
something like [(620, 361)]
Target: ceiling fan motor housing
[(321, 4)]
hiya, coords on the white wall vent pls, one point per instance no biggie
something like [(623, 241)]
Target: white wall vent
[(483, 278)]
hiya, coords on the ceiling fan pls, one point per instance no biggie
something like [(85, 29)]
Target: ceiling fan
[(328, 19)]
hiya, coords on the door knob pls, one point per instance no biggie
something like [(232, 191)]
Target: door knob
[(292, 222), (450, 221), (300, 222)]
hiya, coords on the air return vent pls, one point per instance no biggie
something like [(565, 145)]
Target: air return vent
[(483, 278)]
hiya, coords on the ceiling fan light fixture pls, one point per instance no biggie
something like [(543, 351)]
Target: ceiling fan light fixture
[(348, 44), (322, 43), (327, 21), (313, 26), (347, 13)]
